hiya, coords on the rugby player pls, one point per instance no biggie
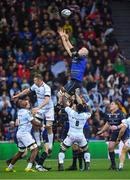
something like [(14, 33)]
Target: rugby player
[(77, 119), (24, 137), (114, 117), (45, 107), (78, 64), (126, 148)]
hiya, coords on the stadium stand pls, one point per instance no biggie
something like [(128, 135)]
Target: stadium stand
[(29, 43)]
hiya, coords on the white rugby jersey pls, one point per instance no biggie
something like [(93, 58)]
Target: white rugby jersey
[(76, 120), (41, 92), (25, 117), (126, 122)]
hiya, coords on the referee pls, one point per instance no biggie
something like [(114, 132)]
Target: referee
[(114, 117)]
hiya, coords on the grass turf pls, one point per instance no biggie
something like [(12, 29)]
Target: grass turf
[(98, 171)]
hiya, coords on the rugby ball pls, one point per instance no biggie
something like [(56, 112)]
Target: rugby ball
[(65, 12)]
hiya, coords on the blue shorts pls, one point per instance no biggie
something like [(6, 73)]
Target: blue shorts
[(114, 135), (72, 85)]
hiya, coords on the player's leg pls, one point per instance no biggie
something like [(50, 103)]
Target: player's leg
[(74, 156), (83, 144), (125, 149), (80, 159), (34, 151), (61, 156), (8, 161), (49, 126), (44, 154), (29, 142), (111, 147), (17, 156), (14, 160)]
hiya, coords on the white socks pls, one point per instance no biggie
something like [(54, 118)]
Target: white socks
[(121, 165), (87, 157), (10, 166), (50, 138), (37, 137), (61, 157), (29, 166)]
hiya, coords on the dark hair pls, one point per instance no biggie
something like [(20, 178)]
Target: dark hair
[(80, 108), (18, 103)]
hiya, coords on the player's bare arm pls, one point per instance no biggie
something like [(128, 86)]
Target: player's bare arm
[(65, 40), (24, 92), (45, 102), (105, 127), (121, 133)]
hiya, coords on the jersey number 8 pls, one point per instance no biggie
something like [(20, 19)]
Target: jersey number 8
[(77, 123)]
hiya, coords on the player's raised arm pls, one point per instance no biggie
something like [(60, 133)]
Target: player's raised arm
[(65, 40)]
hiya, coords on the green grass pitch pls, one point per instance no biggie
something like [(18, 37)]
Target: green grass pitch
[(98, 171)]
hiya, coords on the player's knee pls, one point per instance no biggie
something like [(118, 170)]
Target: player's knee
[(75, 147), (49, 124), (22, 150), (33, 147), (85, 148)]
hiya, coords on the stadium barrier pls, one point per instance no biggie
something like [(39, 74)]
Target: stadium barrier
[(98, 150)]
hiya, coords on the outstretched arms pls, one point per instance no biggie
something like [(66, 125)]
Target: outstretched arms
[(24, 92), (65, 40)]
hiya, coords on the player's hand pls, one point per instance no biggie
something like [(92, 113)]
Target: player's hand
[(99, 132), (14, 97), (113, 128), (60, 31), (35, 110)]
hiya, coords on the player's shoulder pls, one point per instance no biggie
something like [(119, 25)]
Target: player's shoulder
[(68, 109), (46, 86), (22, 111), (33, 87)]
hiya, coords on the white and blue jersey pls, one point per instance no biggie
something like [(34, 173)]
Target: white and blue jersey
[(24, 137), (48, 110), (25, 117), (41, 92)]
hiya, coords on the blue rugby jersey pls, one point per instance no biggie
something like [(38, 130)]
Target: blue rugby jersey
[(78, 66)]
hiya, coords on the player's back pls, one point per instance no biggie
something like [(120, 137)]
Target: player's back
[(76, 120)]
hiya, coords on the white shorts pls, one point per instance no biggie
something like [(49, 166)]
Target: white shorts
[(24, 139), (127, 143), (79, 139), (46, 113)]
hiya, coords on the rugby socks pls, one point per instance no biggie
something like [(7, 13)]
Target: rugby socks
[(50, 138), (61, 157), (37, 159), (37, 137), (29, 166), (42, 158), (75, 156), (121, 165), (80, 158), (10, 166), (87, 157), (112, 158)]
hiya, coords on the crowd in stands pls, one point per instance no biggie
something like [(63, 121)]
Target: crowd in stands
[(29, 43)]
